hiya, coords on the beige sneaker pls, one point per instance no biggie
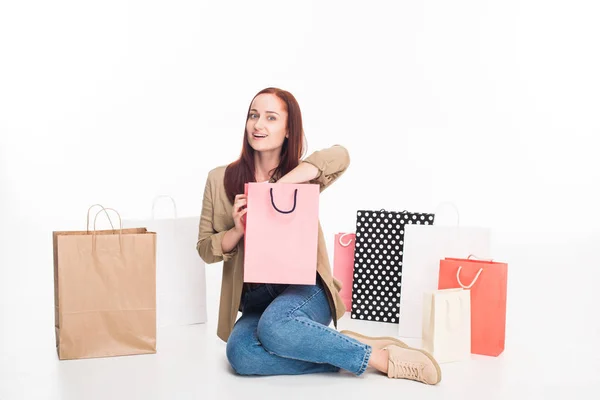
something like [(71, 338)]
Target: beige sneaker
[(375, 342), (414, 364)]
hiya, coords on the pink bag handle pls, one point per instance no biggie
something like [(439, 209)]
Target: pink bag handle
[(284, 212), (472, 283), (341, 237)]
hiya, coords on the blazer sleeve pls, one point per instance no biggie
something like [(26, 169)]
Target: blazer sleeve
[(209, 240), (331, 162)]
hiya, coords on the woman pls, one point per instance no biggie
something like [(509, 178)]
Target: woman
[(284, 329)]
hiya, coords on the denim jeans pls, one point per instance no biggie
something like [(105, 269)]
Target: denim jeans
[(284, 330)]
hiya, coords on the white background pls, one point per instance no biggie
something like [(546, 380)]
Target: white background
[(492, 105)]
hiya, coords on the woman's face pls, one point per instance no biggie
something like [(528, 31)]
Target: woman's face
[(266, 126)]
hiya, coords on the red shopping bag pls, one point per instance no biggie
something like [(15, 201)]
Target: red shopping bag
[(343, 265), (282, 228), (487, 282)]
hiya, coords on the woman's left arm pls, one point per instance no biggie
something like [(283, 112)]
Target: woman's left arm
[(323, 167)]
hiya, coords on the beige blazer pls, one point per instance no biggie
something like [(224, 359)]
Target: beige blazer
[(216, 219)]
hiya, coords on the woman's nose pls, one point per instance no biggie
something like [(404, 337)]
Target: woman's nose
[(258, 124)]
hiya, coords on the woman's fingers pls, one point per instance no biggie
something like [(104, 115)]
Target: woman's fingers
[(239, 209), (240, 203)]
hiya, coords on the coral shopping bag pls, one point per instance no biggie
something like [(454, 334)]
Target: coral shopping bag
[(343, 265), (281, 236), (487, 281)]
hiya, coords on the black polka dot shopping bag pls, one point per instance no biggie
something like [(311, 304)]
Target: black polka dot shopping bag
[(378, 255)]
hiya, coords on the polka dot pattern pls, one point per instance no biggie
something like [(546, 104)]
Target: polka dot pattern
[(378, 263)]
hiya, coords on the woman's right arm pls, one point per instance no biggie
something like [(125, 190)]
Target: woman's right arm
[(214, 246), (231, 239)]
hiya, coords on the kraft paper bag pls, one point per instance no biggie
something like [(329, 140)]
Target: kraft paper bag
[(180, 272), (424, 247), (105, 292), (487, 281), (343, 265), (281, 236), (446, 329)]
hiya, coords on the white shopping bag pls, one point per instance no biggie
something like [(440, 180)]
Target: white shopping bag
[(447, 324), (180, 272), (424, 247)]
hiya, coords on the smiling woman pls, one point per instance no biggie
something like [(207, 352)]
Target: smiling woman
[(284, 329), (273, 141)]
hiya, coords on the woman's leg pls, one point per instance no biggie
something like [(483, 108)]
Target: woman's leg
[(295, 326), (247, 356)]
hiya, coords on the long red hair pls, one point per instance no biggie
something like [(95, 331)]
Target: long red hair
[(242, 170)]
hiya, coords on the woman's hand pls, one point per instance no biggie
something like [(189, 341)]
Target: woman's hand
[(238, 212), (235, 234)]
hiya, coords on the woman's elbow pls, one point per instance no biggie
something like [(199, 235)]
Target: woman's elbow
[(346, 158), (204, 251)]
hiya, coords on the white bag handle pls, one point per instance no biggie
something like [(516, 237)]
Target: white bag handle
[(453, 206), (472, 283), (345, 244), (164, 197), (455, 316)]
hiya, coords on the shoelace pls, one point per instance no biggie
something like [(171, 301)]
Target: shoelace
[(405, 369)]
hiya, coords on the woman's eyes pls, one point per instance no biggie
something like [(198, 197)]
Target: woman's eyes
[(269, 117)]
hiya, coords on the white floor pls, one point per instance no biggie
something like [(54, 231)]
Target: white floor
[(552, 345), (191, 364)]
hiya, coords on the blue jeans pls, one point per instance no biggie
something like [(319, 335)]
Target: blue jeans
[(284, 330)]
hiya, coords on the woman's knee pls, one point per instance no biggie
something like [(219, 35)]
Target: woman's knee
[(274, 332), (239, 357)]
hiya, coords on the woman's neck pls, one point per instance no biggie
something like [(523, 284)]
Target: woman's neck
[(264, 163)]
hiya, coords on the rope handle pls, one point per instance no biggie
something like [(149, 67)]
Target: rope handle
[(284, 212), (345, 244), (479, 258), (455, 316), (106, 212), (87, 224), (120, 227), (472, 283), (164, 197)]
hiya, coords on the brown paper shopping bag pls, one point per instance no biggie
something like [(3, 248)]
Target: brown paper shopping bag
[(105, 292)]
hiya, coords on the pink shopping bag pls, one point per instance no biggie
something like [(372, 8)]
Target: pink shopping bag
[(282, 228), (343, 265)]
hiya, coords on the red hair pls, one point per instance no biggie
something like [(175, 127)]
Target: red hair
[(242, 170)]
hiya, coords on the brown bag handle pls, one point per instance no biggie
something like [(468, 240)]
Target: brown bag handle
[(120, 227), (87, 224)]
